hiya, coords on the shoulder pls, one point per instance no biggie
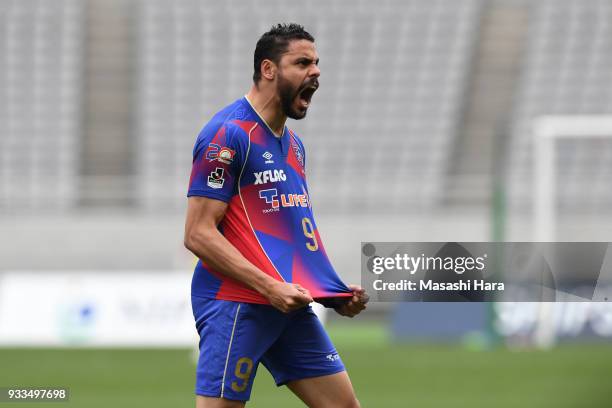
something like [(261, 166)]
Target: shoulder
[(298, 147), (229, 126), (295, 139), (296, 142)]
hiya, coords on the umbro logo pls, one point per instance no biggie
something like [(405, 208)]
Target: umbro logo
[(268, 157)]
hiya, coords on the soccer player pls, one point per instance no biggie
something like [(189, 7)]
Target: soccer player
[(250, 222)]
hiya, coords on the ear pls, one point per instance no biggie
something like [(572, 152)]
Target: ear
[(268, 69)]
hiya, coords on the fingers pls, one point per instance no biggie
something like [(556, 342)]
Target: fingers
[(301, 289), (356, 307), (288, 297), (306, 298), (296, 302), (351, 308), (292, 304), (359, 294), (356, 289), (305, 292), (298, 299)]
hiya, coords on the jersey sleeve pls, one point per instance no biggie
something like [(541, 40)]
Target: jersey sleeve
[(217, 161)]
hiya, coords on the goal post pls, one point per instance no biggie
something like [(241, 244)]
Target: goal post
[(547, 131)]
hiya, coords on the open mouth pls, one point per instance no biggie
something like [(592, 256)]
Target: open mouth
[(306, 93)]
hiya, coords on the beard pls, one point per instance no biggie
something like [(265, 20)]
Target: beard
[(288, 95)]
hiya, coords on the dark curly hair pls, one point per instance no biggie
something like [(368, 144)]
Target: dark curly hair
[(273, 44)]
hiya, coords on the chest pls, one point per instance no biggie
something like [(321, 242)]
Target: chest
[(272, 165)]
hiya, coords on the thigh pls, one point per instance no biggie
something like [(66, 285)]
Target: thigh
[(330, 391), (233, 338), (209, 402), (303, 350)]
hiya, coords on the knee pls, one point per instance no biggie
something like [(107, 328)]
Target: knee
[(337, 403), (351, 403)]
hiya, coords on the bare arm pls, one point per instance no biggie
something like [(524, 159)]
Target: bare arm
[(206, 242)]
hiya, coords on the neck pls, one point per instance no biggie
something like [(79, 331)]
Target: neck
[(267, 104)]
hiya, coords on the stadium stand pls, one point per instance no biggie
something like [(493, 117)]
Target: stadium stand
[(382, 123), (401, 82), (40, 62), (568, 59)]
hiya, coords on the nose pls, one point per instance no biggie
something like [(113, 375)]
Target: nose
[(316, 71)]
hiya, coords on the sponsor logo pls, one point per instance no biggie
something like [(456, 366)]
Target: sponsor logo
[(215, 179), (226, 155), (269, 176), (277, 201), (268, 157), (221, 154), (78, 320), (270, 196), (212, 151), (333, 357)]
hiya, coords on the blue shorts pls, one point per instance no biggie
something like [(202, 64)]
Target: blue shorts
[(235, 337)]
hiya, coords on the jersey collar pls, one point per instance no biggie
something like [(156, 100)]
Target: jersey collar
[(284, 138)]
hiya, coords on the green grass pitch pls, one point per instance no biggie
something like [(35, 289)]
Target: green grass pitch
[(384, 375)]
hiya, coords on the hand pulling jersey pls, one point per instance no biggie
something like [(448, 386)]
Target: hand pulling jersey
[(239, 160)]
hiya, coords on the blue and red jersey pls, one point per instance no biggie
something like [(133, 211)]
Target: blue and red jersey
[(238, 159)]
